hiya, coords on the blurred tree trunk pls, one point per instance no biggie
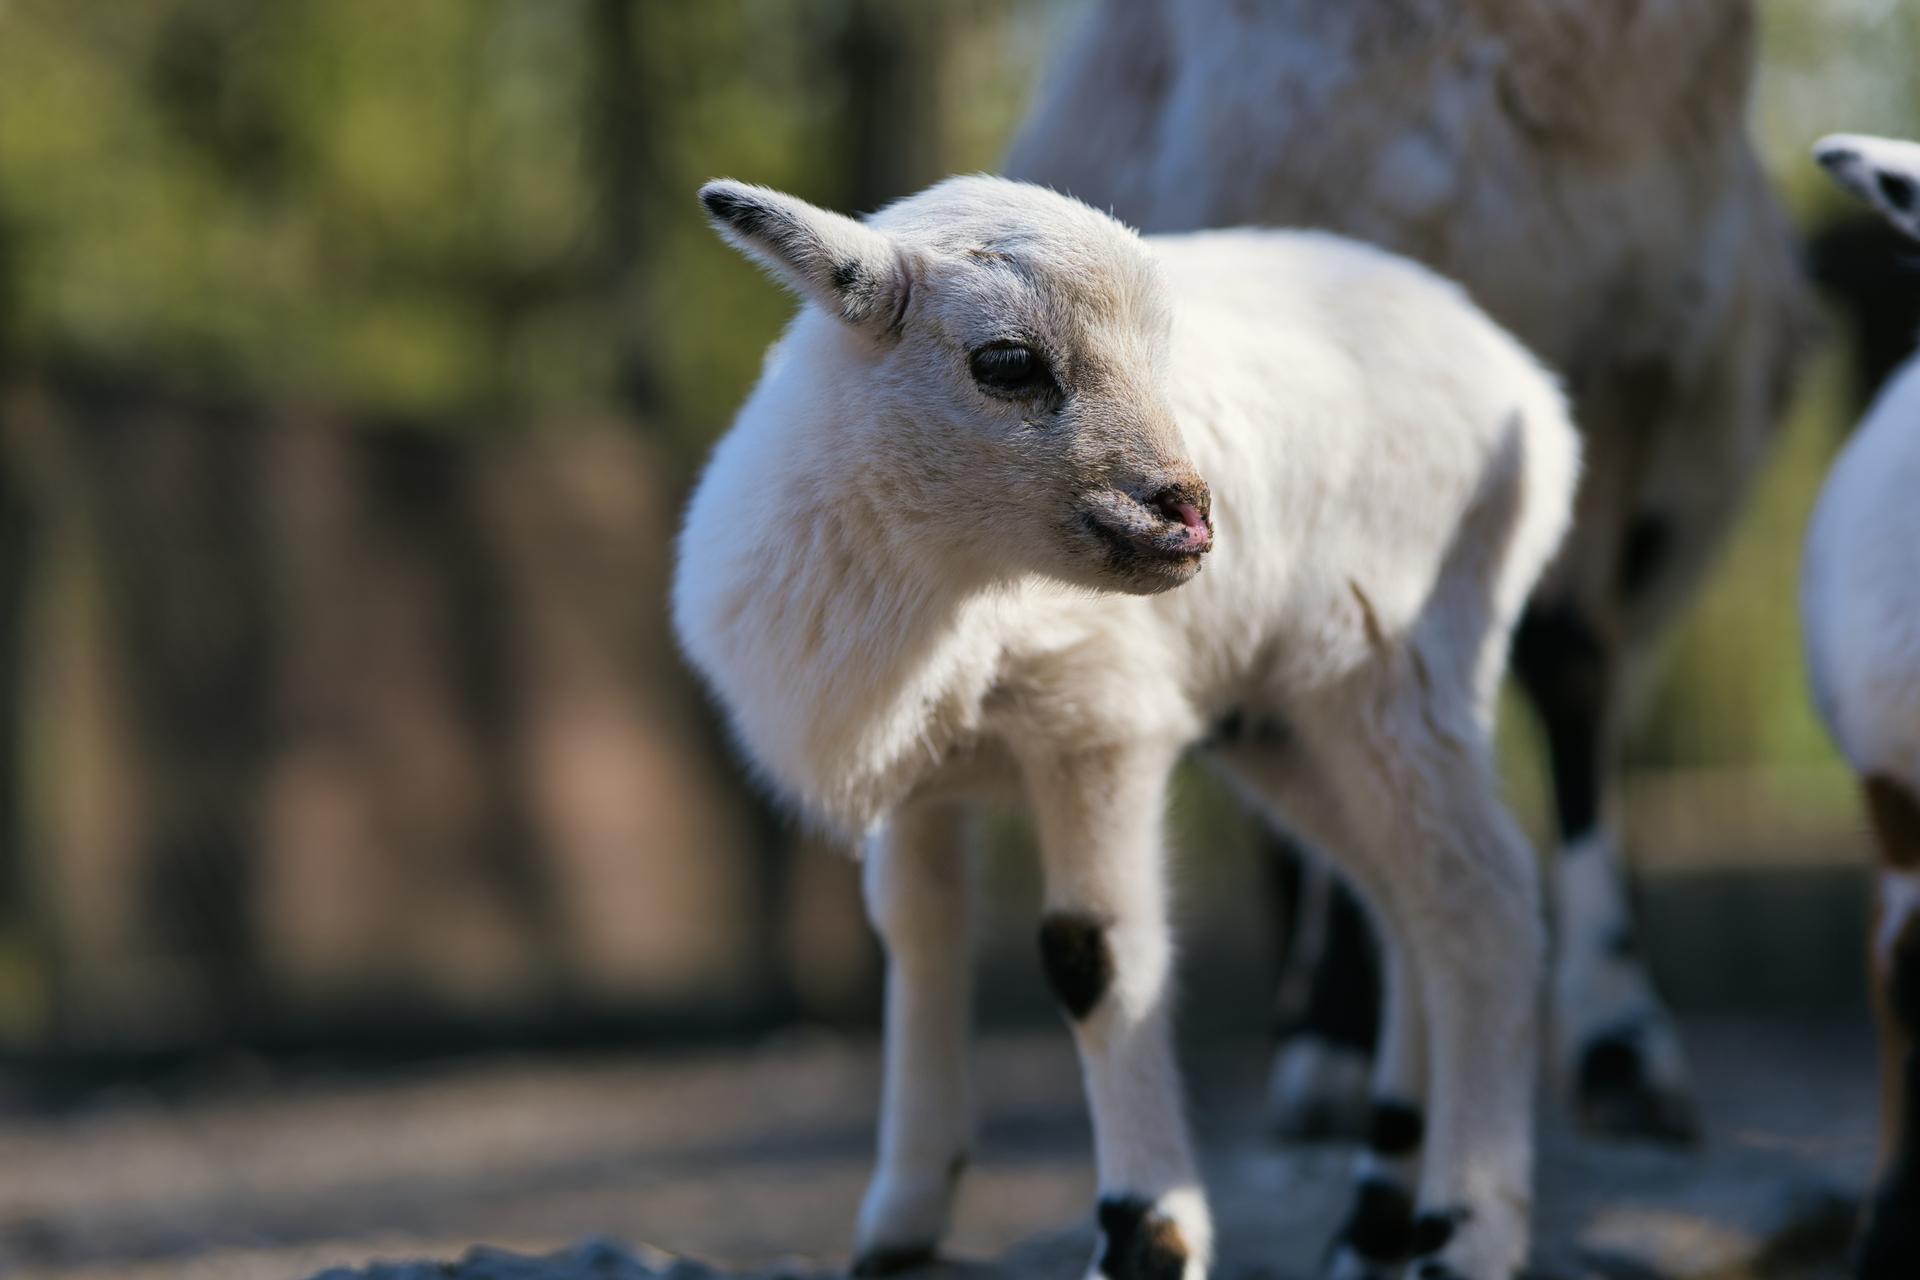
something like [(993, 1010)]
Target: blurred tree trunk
[(622, 125), (626, 116), (890, 56), (16, 557), (174, 490), (424, 484)]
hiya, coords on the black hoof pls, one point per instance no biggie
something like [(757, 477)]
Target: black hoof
[(1139, 1244), (1617, 1100), (1379, 1231), (892, 1259)]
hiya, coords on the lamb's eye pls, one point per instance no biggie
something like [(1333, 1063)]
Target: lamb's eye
[(1010, 369)]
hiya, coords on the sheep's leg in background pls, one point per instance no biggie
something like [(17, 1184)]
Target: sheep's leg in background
[(1327, 1013), (1382, 1224), (1107, 949), (1615, 1046), (1891, 1245), (916, 885)]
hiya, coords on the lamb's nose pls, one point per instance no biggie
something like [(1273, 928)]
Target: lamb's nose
[(1187, 503)]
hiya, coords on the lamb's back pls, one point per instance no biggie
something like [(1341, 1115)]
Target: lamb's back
[(1357, 416)]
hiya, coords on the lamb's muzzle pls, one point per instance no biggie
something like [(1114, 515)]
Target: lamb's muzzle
[(1164, 529)]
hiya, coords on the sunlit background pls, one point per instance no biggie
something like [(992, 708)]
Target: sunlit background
[(355, 359)]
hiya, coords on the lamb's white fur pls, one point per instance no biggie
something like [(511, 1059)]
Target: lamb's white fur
[(886, 578), (1860, 610)]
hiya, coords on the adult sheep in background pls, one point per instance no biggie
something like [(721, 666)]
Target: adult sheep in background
[(1584, 170), (954, 542)]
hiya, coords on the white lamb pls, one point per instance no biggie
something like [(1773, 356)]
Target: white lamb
[(938, 553), (1860, 605)]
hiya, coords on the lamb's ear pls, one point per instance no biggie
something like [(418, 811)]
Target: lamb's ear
[(852, 270), (1882, 171)]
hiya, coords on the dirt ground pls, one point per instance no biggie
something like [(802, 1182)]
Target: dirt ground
[(750, 1156)]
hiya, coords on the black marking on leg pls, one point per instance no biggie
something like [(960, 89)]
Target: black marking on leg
[(1137, 1243), (1617, 1097), (1433, 1229), (889, 1260), (1644, 552), (1395, 1128), (1561, 663), (1380, 1229), (1073, 947)]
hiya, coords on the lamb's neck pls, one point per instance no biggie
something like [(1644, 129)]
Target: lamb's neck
[(870, 651)]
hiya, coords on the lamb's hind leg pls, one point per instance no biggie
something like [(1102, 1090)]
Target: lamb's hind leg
[(1616, 1048), (1415, 819), (916, 893), (1107, 950), (1379, 1233)]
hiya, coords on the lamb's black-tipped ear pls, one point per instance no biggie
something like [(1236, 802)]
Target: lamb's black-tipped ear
[(857, 273), (1884, 172)]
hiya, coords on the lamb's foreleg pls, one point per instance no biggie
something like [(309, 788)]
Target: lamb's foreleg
[(1108, 954), (916, 893)]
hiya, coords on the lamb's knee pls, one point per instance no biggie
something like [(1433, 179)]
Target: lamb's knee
[(1078, 961)]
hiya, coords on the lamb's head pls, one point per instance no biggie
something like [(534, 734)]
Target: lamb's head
[(997, 357), (1884, 172)]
